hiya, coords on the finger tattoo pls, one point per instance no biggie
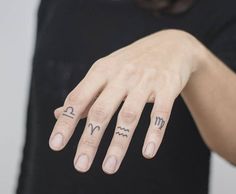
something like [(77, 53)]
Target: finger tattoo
[(121, 131), (93, 128), (69, 112), (159, 122)]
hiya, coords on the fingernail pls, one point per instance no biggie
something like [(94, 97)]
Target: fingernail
[(57, 141), (110, 164), (82, 162), (149, 150)]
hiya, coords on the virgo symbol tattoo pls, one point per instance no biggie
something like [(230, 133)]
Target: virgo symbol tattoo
[(69, 112), (93, 128), (159, 122)]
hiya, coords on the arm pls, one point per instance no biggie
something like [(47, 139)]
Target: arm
[(210, 95)]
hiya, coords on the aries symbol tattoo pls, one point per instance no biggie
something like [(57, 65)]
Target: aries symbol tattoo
[(159, 122), (69, 112), (93, 128)]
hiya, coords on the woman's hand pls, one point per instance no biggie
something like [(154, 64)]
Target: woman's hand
[(153, 69)]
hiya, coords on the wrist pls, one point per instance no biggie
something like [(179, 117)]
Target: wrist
[(201, 69), (203, 56), (199, 55)]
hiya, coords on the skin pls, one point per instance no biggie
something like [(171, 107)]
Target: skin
[(157, 69)]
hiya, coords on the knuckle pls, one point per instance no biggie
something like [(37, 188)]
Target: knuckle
[(159, 111), (130, 69), (165, 76), (128, 115), (157, 133), (74, 98), (151, 73), (100, 64), (98, 113), (102, 68), (64, 124), (171, 80), (120, 146), (88, 142), (116, 87)]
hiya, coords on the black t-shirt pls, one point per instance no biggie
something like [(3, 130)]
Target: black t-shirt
[(71, 35)]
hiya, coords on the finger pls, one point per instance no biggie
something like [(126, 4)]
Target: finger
[(158, 121), (74, 106), (98, 118), (127, 121), (58, 112)]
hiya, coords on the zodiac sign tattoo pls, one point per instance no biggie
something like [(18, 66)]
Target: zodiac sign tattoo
[(120, 133), (159, 122), (93, 128), (69, 112)]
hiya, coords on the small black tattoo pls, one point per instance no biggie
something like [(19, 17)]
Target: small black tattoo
[(93, 128), (124, 135), (69, 112), (120, 129), (159, 122)]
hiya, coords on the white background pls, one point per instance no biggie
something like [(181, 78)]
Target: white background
[(17, 28)]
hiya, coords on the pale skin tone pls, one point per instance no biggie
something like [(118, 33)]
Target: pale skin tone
[(156, 69)]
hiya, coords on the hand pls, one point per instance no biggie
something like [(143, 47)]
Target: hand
[(153, 69)]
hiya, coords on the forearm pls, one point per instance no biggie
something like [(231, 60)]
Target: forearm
[(211, 97)]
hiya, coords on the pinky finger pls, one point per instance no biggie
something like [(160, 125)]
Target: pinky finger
[(159, 118)]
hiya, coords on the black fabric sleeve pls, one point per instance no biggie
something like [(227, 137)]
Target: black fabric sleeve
[(224, 45)]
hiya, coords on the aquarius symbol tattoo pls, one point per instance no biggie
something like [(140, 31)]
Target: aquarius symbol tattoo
[(122, 128), (93, 128), (69, 112), (159, 122), (124, 135), (120, 133)]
